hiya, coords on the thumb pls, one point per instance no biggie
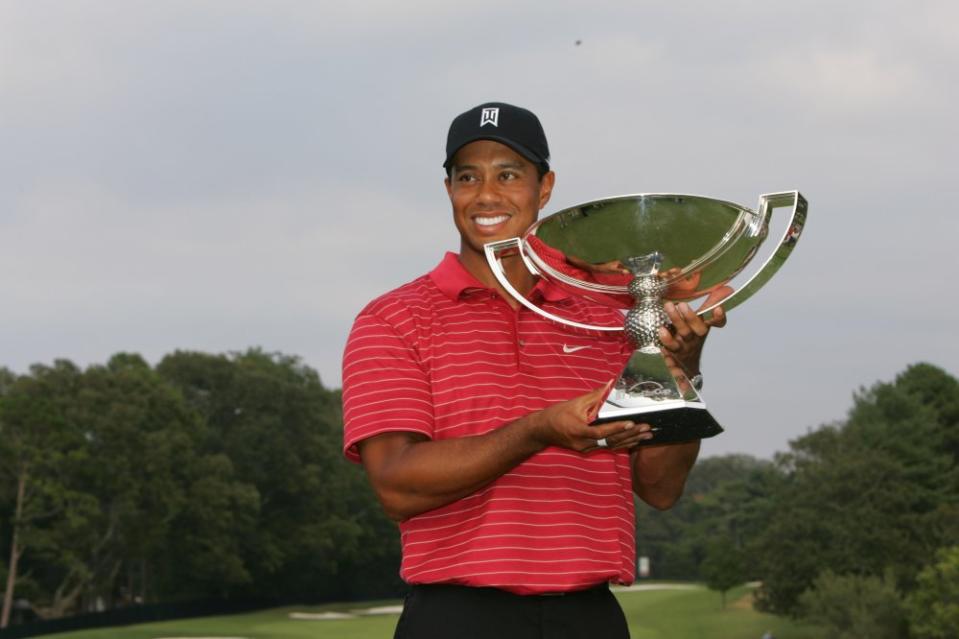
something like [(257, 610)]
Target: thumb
[(594, 399)]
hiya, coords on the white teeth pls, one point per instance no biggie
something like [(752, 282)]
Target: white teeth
[(490, 221)]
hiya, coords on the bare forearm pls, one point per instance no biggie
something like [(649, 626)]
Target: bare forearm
[(660, 472), (412, 474), (417, 476)]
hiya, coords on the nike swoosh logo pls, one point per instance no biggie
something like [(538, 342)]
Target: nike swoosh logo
[(573, 349)]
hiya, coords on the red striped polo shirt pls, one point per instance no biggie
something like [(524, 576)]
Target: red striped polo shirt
[(446, 357)]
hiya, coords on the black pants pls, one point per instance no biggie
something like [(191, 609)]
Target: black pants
[(460, 612)]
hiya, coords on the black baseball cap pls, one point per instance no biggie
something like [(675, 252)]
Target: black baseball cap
[(511, 125)]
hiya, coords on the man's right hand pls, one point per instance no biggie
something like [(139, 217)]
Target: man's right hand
[(566, 425)]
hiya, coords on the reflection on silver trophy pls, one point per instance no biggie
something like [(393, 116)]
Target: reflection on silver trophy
[(637, 251)]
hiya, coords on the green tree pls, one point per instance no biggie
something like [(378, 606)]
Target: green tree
[(854, 607), (319, 527), (203, 554), (877, 491), (107, 468), (933, 607), (932, 387), (146, 443), (727, 497), (37, 444), (724, 567)]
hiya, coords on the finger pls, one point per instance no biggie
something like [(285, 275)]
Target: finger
[(609, 431), (641, 432), (670, 341), (680, 322), (672, 312), (693, 320), (632, 442), (616, 443), (719, 317)]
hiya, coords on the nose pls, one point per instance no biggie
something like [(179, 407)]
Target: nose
[(489, 191)]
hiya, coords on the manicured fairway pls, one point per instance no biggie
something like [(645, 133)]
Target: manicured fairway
[(697, 614), (655, 614)]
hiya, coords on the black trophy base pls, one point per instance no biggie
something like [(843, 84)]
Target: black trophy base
[(672, 426)]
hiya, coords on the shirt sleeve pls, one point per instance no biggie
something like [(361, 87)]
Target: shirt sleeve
[(385, 388)]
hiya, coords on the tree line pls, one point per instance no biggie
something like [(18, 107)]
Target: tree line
[(220, 476), (855, 527), (206, 476)]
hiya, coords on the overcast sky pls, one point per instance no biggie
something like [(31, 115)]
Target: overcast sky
[(220, 175)]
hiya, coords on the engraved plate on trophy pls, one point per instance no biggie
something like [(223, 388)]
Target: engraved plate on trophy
[(635, 252)]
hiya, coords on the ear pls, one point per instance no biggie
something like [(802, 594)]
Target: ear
[(449, 188), (546, 188)]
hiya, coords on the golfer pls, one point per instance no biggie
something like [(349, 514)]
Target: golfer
[(471, 416)]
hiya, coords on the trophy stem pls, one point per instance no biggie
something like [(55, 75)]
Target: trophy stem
[(647, 315)]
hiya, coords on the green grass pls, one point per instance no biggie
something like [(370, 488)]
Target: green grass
[(698, 614), (265, 624), (663, 614)]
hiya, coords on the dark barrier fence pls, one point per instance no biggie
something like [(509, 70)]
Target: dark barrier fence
[(139, 614)]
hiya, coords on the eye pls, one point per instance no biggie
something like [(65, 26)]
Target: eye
[(465, 177), (509, 175)]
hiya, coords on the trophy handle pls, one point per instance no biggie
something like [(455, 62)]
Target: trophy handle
[(493, 250), (767, 203)]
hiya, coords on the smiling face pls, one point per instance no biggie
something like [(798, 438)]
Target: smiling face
[(496, 194)]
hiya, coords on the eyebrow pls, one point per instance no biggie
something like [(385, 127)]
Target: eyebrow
[(505, 164)]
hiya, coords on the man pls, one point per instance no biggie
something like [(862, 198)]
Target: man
[(471, 416)]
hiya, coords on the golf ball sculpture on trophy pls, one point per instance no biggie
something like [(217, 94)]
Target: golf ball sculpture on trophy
[(637, 251)]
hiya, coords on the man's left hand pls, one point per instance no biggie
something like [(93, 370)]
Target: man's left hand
[(683, 341)]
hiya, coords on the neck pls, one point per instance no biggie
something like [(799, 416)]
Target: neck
[(516, 272)]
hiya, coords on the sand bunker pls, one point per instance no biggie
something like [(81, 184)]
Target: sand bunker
[(351, 614), (320, 616)]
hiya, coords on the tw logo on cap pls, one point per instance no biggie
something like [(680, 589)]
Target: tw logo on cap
[(490, 116)]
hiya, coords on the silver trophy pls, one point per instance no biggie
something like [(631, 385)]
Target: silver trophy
[(635, 252)]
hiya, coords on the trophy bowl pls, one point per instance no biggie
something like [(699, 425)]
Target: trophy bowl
[(634, 252)]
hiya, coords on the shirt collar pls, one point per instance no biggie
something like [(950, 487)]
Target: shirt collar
[(452, 278)]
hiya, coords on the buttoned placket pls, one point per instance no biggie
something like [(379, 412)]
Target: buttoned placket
[(511, 317), (518, 336)]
